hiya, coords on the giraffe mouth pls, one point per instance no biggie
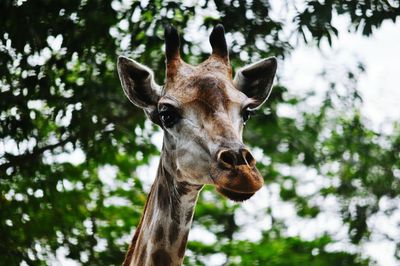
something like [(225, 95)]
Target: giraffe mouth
[(233, 195), (236, 188), (238, 184)]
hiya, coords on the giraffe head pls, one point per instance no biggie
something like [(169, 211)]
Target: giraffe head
[(202, 111)]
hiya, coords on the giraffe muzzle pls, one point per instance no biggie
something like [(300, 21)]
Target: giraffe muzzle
[(235, 174)]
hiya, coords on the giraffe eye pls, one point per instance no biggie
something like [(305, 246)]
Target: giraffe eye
[(246, 115), (169, 117)]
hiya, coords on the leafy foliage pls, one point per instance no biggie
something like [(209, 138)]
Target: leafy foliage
[(60, 97)]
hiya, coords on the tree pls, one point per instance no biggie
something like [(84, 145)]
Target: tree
[(60, 95)]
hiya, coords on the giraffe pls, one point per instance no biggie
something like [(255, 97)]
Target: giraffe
[(202, 112)]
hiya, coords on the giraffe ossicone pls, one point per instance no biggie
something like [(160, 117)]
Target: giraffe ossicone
[(202, 112)]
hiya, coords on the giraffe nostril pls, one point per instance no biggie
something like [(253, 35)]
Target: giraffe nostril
[(227, 158), (248, 157)]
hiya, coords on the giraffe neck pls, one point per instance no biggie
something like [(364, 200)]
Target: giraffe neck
[(161, 236)]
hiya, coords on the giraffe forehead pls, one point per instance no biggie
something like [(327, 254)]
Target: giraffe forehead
[(211, 90)]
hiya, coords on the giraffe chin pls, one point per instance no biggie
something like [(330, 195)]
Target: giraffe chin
[(232, 195)]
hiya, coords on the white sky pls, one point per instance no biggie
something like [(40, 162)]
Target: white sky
[(379, 86)]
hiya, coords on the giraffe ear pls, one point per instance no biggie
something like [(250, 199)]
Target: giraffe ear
[(138, 83), (256, 80), (139, 86)]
